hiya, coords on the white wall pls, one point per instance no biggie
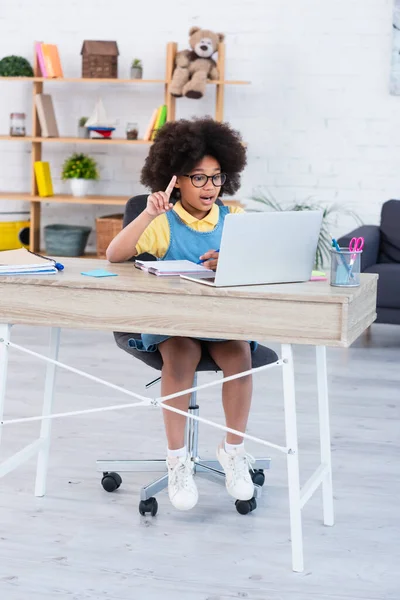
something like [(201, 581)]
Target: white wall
[(318, 117)]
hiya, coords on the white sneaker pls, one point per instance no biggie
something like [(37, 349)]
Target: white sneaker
[(237, 472), (182, 490)]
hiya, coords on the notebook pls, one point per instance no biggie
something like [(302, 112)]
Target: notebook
[(168, 268), (24, 262)]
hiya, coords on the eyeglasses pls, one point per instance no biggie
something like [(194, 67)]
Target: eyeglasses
[(200, 180)]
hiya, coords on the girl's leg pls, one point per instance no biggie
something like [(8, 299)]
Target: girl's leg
[(234, 357), (180, 359)]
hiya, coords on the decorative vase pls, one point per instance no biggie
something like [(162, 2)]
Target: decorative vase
[(80, 187), (83, 132), (136, 72)]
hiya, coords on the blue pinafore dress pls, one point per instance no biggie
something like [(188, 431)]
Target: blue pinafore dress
[(185, 244)]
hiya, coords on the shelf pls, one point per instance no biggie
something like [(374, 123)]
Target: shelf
[(66, 198), (86, 255), (16, 138), (110, 80), (77, 140), (38, 142), (74, 140), (95, 80), (95, 199)]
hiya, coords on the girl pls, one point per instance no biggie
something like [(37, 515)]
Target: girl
[(194, 162)]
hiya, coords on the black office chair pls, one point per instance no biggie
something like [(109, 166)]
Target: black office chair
[(111, 479)]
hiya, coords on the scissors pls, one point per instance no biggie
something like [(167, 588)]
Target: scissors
[(356, 244)]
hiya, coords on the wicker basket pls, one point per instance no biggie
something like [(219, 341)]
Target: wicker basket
[(107, 228)]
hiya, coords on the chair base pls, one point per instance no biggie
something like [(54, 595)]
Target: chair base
[(207, 468)]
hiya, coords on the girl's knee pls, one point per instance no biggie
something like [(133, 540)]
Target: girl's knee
[(237, 357), (180, 354)]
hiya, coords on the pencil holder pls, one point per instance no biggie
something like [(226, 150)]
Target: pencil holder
[(345, 267)]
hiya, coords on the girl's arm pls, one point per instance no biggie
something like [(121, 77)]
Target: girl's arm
[(123, 246)]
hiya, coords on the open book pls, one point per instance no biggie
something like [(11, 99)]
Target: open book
[(168, 268), (23, 262)]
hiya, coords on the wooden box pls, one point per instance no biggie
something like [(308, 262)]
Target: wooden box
[(107, 228), (99, 59)]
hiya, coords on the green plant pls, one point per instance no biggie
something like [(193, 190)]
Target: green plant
[(15, 66), (80, 166), (82, 121), (137, 63), (322, 254)]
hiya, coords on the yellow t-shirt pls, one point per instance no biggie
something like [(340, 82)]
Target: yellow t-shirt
[(156, 237)]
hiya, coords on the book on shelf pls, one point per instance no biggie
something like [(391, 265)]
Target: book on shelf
[(151, 125), (46, 115), (43, 178), (49, 60), (40, 59), (160, 120)]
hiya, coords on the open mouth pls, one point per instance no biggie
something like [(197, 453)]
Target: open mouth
[(207, 199)]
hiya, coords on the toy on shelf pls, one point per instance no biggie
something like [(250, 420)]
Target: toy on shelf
[(99, 59), (193, 67), (98, 122)]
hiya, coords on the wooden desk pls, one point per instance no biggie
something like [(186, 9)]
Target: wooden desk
[(309, 313)]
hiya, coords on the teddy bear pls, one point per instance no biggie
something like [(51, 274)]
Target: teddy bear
[(193, 67)]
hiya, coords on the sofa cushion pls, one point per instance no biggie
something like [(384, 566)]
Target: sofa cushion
[(388, 284), (390, 232)]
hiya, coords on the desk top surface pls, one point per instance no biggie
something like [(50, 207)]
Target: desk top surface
[(130, 279)]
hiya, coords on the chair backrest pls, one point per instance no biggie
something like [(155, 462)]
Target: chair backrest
[(390, 232), (133, 208)]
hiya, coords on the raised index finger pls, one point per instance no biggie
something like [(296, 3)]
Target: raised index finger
[(170, 186)]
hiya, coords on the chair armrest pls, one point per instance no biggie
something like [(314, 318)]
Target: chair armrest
[(372, 237)]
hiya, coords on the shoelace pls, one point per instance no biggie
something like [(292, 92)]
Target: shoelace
[(181, 474), (241, 465)]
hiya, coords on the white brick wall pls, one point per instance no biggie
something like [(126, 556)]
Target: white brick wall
[(318, 117)]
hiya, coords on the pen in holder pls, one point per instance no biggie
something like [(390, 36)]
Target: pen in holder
[(345, 267)]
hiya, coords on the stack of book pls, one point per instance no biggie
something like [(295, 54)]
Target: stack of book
[(48, 60), (158, 119), (23, 262)]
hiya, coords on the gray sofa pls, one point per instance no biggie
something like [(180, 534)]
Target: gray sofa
[(381, 254)]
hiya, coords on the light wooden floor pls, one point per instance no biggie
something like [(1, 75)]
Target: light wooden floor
[(81, 543)]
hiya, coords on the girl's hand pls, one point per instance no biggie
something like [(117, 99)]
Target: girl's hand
[(158, 203), (210, 259)]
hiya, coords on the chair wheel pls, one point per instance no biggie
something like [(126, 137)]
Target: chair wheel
[(111, 481), (258, 477), (245, 506), (148, 506)]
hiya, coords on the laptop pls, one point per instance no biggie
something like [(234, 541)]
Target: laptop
[(267, 247)]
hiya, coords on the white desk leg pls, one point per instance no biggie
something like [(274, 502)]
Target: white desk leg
[(325, 434), (45, 430), (4, 335), (292, 458)]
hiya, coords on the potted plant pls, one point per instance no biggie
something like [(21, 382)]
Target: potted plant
[(15, 66), (83, 132), (80, 169), (136, 69), (323, 252)]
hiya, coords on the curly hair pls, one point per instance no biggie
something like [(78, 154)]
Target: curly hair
[(181, 145)]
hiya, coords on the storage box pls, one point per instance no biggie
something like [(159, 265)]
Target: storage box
[(107, 228), (99, 59), (14, 234)]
